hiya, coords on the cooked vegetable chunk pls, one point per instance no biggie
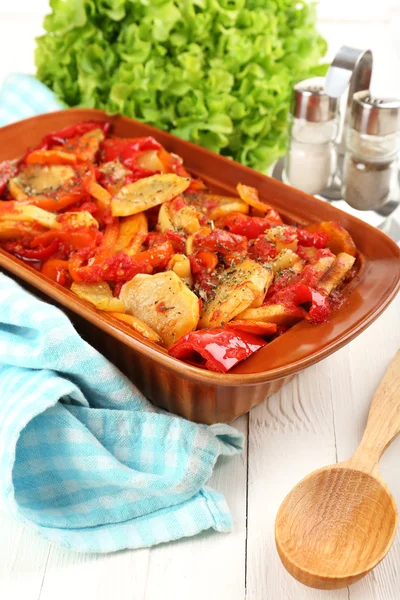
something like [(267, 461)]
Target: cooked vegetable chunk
[(225, 206), (100, 295), (138, 326), (338, 271), (238, 289), (164, 218), (147, 192), (257, 327), (149, 160), (286, 259), (217, 349), (339, 239), (131, 235), (181, 265), (274, 313), (250, 196), (13, 211), (163, 302), (283, 237), (39, 179), (75, 219)]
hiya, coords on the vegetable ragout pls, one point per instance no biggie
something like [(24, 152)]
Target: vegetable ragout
[(123, 225)]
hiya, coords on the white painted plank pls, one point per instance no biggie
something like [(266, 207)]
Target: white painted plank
[(70, 575), (211, 565), (23, 557), (290, 435)]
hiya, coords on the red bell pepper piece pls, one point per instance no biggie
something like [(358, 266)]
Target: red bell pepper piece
[(8, 169), (174, 164), (126, 149), (59, 137), (308, 276), (137, 173), (296, 294), (216, 349), (287, 277), (196, 185), (203, 262), (121, 267), (57, 270), (155, 238), (178, 203), (250, 227), (309, 238), (84, 206), (76, 239), (177, 240), (299, 293), (319, 311), (41, 253), (223, 242), (202, 265), (262, 249)]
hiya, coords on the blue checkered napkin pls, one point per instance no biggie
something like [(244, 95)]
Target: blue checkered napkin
[(22, 96), (84, 458)]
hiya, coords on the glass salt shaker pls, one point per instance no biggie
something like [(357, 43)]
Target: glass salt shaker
[(310, 161), (370, 174)]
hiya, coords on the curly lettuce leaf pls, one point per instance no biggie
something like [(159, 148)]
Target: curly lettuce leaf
[(216, 72)]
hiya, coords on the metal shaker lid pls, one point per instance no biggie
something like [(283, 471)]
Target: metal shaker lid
[(312, 103), (375, 116)]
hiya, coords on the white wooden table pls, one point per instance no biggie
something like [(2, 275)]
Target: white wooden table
[(315, 420)]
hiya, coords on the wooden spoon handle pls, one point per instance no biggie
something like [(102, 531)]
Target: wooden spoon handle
[(383, 421)]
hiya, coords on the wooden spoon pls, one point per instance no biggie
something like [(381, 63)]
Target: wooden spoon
[(339, 522)]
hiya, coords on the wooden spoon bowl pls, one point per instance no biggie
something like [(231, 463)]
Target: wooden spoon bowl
[(335, 526), (339, 522)]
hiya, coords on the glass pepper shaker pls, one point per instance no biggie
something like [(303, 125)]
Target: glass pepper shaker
[(370, 174), (311, 157)]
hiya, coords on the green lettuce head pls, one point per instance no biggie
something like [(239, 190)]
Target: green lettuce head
[(216, 72)]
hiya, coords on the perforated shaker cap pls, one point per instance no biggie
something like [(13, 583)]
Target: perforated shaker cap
[(312, 103), (375, 116)]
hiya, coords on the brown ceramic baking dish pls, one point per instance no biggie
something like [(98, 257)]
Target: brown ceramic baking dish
[(195, 393)]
